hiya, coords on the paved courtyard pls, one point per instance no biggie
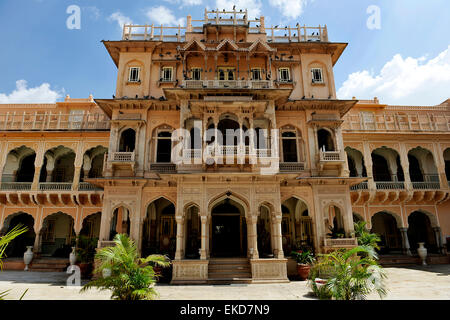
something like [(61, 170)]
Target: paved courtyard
[(430, 282)]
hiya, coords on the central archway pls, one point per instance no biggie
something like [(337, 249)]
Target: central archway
[(228, 229)]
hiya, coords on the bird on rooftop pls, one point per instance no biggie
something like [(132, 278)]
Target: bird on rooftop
[(276, 27), (285, 27), (296, 24), (114, 96), (234, 7), (257, 19), (290, 57), (223, 10)]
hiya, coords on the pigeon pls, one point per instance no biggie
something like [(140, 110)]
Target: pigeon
[(234, 7), (114, 96)]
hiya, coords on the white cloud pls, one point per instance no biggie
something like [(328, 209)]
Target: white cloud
[(184, 3), (413, 81), (120, 19), (163, 15), (253, 6), (23, 94), (291, 9), (93, 11)]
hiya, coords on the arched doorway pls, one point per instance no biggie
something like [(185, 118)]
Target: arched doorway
[(127, 141), (159, 228), (17, 246), (420, 230), (193, 233), (385, 225), (164, 147), (296, 226), (19, 166), (229, 129), (91, 226), (120, 222), (57, 235), (325, 140), (228, 229), (264, 232), (334, 222)]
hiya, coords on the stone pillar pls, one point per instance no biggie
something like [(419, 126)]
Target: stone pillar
[(368, 164), (404, 162), (438, 236), (278, 237), (405, 241), (105, 222), (204, 237), (252, 236), (76, 178), (179, 254)]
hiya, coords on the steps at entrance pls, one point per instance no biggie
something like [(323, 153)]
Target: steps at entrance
[(229, 270), (49, 264)]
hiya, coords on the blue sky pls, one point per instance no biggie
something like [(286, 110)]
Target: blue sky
[(406, 61)]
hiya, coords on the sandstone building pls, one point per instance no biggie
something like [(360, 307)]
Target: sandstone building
[(225, 145)]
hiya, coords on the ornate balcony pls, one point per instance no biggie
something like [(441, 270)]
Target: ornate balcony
[(224, 84), (122, 157), (330, 156), (292, 166), (18, 186), (163, 167)]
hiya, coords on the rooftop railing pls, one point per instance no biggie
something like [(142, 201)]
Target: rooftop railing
[(393, 121), (48, 121), (225, 18)]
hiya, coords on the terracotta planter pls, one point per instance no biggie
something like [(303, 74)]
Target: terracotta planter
[(85, 269), (303, 271)]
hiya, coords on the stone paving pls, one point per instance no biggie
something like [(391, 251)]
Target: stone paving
[(430, 282)]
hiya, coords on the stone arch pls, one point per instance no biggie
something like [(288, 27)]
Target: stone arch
[(296, 224), (17, 246), (433, 218), (133, 63), (387, 225), (91, 228), (420, 229), (213, 201), (189, 205), (53, 168), (57, 234), (160, 196), (159, 226), (14, 170), (326, 138)]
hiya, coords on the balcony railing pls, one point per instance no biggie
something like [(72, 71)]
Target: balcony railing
[(389, 185), (48, 121), (361, 186), (292, 166), (55, 186), (426, 185), (330, 156), (163, 167), (122, 157), (223, 84), (86, 186), (16, 186)]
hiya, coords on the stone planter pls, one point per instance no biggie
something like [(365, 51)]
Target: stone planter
[(422, 252), (303, 271), (28, 257), (73, 257)]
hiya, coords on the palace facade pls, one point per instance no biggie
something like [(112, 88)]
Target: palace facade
[(225, 147)]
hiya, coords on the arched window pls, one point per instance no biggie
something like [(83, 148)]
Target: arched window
[(325, 140), (127, 141), (164, 146), (228, 129), (290, 152)]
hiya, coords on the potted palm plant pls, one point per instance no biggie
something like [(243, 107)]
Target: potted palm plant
[(304, 260), (85, 254)]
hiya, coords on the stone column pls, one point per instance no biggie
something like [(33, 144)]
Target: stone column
[(204, 237), (438, 236), (76, 178), (404, 162), (179, 254), (252, 231), (368, 164), (278, 237), (405, 241), (105, 222)]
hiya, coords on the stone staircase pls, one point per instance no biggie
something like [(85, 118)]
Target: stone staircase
[(229, 270), (49, 264)]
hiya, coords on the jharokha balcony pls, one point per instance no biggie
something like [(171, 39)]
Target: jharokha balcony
[(232, 84)]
